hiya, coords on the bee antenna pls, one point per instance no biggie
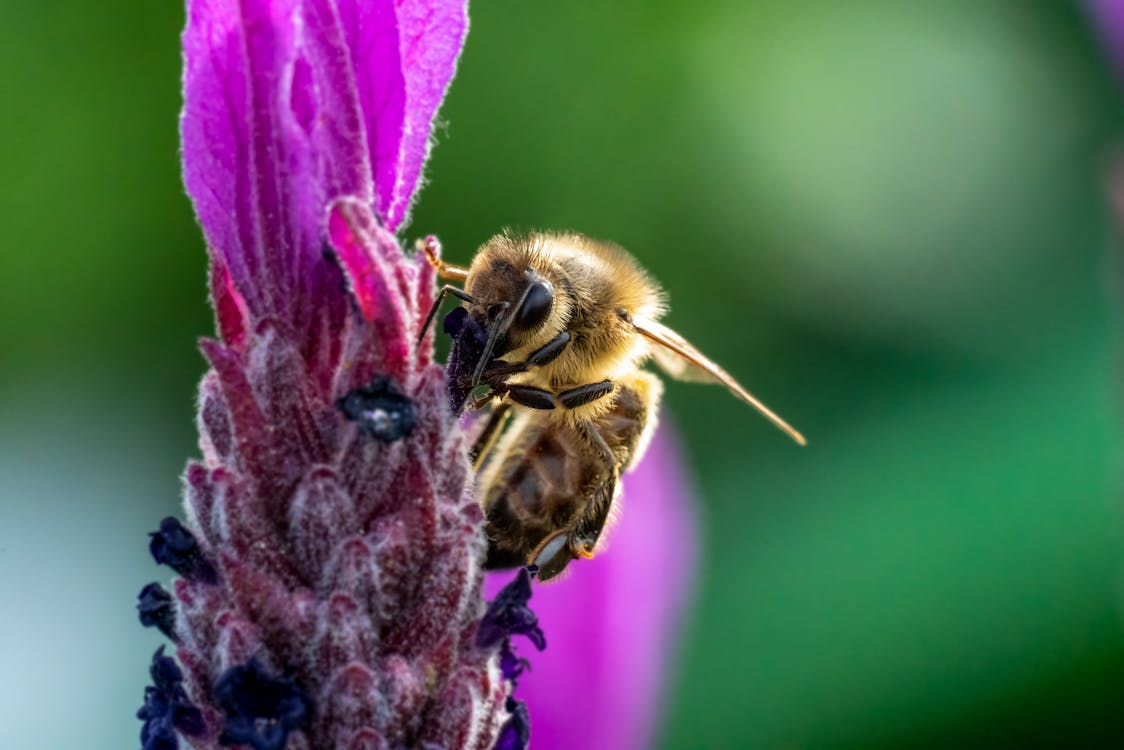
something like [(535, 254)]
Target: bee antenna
[(772, 416), (458, 293), (494, 334), (503, 322)]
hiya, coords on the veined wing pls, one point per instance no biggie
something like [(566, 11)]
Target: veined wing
[(683, 361)]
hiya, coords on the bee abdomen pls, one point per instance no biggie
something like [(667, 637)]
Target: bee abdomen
[(548, 477), (536, 490)]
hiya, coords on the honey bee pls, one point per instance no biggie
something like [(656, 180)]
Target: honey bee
[(559, 324)]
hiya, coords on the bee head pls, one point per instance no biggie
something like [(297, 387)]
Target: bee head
[(517, 299), (512, 303)]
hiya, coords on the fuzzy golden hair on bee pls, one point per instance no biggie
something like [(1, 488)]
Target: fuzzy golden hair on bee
[(556, 325)]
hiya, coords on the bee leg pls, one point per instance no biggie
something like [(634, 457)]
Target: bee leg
[(545, 354), (496, 375), (479, 403), (551, 556), (447, 289), (540, 398), (583, 539), (487, 437), (584, 394), (593, 437), (549, 351), (587, 529), (529, 396), (432, 249), (555, 552)]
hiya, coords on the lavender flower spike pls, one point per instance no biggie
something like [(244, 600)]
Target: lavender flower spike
[(331, 553)]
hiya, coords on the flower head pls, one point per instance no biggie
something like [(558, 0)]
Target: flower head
[(330, 562)]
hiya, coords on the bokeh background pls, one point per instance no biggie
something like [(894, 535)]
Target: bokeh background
[(887, 218)]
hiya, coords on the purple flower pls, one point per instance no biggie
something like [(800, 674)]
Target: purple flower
[(167, 708), (516, 731), (331, 555), (508, 615), (613, 620), (175, 546), (1108, 16), (261, 710), (156, 608)]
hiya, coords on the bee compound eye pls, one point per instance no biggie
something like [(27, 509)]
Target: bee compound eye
[(535, 306), (553, 556)]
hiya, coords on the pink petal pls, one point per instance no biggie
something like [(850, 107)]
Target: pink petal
[(270, 127), (372, 36), (431, 33), (362, 248), (292, 104)]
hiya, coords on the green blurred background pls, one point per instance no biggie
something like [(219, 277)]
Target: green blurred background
[(887, 219)]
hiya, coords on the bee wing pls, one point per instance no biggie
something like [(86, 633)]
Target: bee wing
[(682, 369), (683, 361)]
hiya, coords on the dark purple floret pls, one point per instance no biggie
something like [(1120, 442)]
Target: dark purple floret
[(469, 339), (511, 665), (380, 409), (516, 731), (261, 710), (166, 707), (174, 546), (508, 614), (156, 608)]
